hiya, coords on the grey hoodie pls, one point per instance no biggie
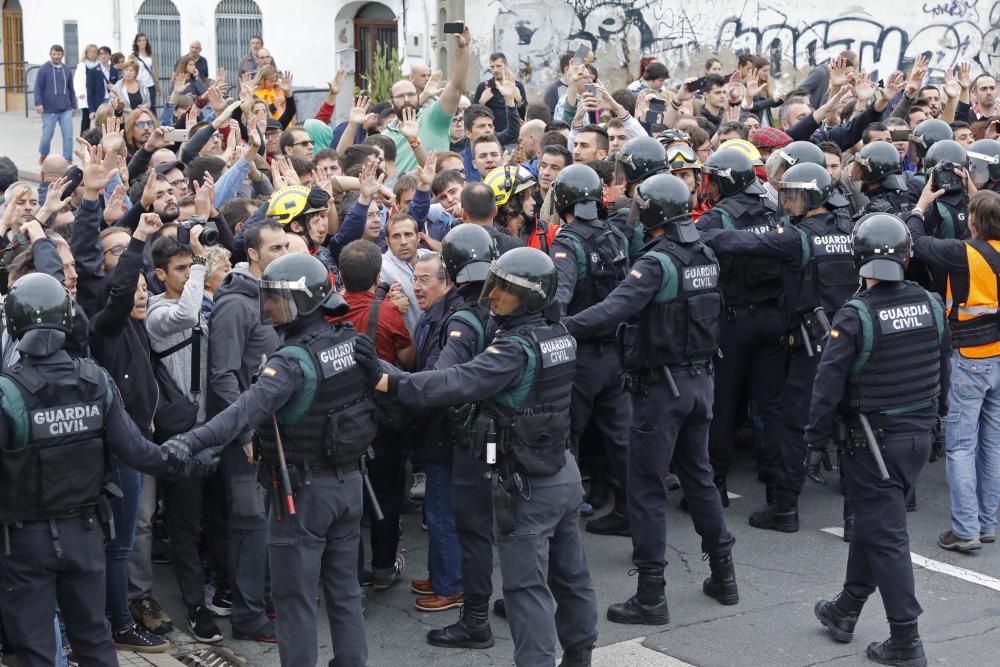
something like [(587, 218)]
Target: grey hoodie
[(237, 341)]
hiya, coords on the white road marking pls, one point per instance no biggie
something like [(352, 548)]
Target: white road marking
[(937, 566), (632, 653)]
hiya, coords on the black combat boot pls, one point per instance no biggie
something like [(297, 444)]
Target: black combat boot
[(648, 606), (576, 657), (903, 648), (471, 631), (720, 484), (781, 515), (612, 523), (840, 616), (722, 584)]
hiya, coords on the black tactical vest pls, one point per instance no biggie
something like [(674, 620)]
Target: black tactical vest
[(898, 369), (55, 463), (681, 324), (894, 202), (829, 277), (602, 261), (332, 420), (749, 280), (533, 419)]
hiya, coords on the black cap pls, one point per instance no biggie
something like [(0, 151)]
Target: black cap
[(273, 124)]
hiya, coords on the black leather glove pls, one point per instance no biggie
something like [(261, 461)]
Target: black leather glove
[(176, 454), (937, 445), (816, 457), (205, 462), (367, 359)]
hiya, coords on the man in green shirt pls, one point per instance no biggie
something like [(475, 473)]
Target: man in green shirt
[(435, 120)]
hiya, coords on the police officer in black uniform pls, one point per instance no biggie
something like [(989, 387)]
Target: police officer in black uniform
[(880, 171), (750, 339), (892, 334), (984, 164), (800, 152), (523, 382), (925, 135), (59, 416), (314, 412), (669, 308), (819, 276), (591, 258), (467, 251)]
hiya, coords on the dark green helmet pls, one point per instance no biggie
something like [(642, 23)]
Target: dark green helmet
[(665, 201), (578, 190), (881, 247), (879, 163), (294, 286), (804, 187), (942, 151), (732, 171), (639, 159), (467, 251), (984, 161), (799, 152), (929, 132), (526, 274), (37, 301)]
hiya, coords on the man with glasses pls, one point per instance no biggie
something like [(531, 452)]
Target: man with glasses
[(435, 121), (296, 142)]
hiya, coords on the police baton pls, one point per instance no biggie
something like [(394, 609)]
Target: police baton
[(873, 445), (824, 321), (286, 483), (669, 377), (369, 489), (806, 341)]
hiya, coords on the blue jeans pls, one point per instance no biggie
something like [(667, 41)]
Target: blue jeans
[(972, 444), (116, 552), (444, 555), (60, 660), (65, 121)]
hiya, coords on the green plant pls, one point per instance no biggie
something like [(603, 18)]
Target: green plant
[(385, 70)]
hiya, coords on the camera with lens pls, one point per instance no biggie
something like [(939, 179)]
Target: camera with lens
[(946, 179), (209, 233)]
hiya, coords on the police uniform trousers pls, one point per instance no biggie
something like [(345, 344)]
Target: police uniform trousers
[(796, 401), (752, 364), (879, 555), (56, 561), (319, 543), (247, 539), (665, 428), (472, 496), (546, 583), (598, 398)]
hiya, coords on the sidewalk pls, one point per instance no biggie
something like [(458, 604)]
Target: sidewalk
[(19, 138)]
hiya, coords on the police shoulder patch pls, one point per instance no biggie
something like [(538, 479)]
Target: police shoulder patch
[(455, 334), (560, 255), (269, 372), (636, 273), (493, 349), (834, 333)]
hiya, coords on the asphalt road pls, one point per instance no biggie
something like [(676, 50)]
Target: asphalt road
[(780, 578)]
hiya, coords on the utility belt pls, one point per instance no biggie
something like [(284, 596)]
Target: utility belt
[(489, 439), (300, 474), (810, 334), (739, 309), (87, 514), (639, 382)]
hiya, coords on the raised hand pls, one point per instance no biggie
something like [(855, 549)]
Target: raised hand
[(425, 175), (334, 84), (894, 84), (951, 86), (157, 139), (359, 111), (149, 223), (96, 177), (149, 189), (180, 83), (838, 72), (370, 182), (965, 75), (507, 86), (203, 196), (114, 207), (434, 85), (285, 82), (864, 89), (112, 125), (486, 95), (82, 151), (463, 40), (408, 126)]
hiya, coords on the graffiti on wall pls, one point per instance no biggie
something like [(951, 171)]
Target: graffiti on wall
[(620, 31)]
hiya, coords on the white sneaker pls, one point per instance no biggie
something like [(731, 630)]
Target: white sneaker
[(419, 487)]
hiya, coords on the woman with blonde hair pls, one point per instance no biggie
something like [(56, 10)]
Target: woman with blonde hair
[(275, 89)]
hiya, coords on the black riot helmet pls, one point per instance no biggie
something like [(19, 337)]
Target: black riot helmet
[(879, 163), (37, 301), (732, 171), (803, 188), (294, 286), (927, 133), (945, 150), (664, 201), (799, 152), (639, 159), (578, 190), (984, 161), (526, 274), (882, 247), (467, 251)]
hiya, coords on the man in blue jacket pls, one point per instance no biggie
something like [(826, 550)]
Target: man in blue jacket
[(55, 100)]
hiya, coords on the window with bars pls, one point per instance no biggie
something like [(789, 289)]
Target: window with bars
[(161, 23), (236, 21), (71, 43)]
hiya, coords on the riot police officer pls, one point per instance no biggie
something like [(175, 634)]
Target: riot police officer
[(637, 160), (315, 420), (669, 308), (878, 167), (591, 258), (893, 333), (523, 382), (984, 164), (801, 152), (750, 336), (467, 251), (925, 135), (819, 276), (59, 413)]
